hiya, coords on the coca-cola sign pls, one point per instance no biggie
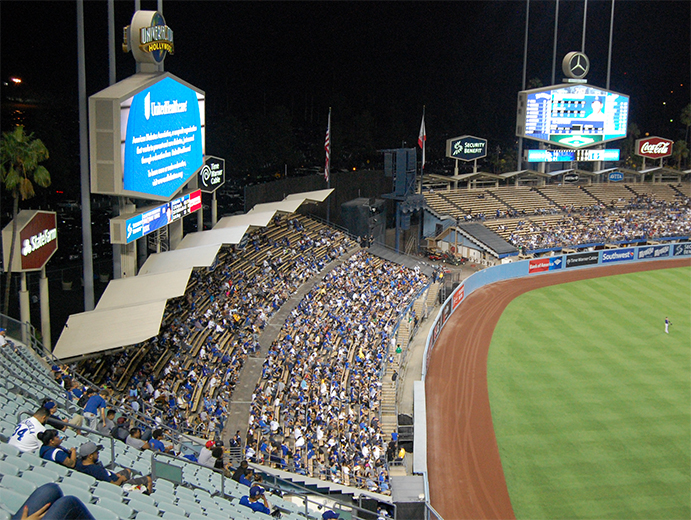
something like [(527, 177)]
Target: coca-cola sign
[(654, 147)]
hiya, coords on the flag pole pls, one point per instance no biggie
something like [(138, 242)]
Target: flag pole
[(421, 140), (327, 165)]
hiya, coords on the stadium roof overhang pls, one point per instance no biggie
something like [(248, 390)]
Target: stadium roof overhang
[(131, 309)]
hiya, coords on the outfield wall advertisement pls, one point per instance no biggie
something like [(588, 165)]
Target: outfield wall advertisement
[(545, 265)]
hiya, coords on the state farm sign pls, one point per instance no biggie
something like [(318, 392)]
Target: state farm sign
[(654, 147), (37, 240)]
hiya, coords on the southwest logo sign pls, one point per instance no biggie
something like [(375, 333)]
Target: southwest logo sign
[(538, 265), (682, 249), (653, 252), (618, 255), (579, 259)]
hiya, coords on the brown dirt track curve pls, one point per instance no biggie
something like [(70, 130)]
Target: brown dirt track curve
[(466, 479)]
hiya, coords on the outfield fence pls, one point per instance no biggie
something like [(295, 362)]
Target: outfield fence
[(520, 269)]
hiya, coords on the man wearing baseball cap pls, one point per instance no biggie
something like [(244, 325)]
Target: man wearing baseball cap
[(253, 500), (206, 457), (89, 464)]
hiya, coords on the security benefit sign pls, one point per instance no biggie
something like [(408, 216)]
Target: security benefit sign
[(466, 148), (36, 240), (212, 175)]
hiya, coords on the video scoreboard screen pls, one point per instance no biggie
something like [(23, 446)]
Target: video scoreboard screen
[(573, 116), (571, 155)]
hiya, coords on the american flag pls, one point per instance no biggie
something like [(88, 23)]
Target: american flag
[(327, 148)]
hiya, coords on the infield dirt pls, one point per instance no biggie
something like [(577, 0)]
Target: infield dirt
[(466, 479)]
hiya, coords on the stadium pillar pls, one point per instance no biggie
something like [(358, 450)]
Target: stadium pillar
[(45, 309), (24, 308)]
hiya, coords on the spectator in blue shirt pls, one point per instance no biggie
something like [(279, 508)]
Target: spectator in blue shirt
[(51, 449), (95, 407), (156, 444), (89, 464), (253, 501)]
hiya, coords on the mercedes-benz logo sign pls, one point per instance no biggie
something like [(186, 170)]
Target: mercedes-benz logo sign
[(206, 174), (575, 65)]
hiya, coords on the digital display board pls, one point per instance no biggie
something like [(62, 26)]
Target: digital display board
[(572, 155), (146, 136), (162, 142), (150, 220), (573, 116)]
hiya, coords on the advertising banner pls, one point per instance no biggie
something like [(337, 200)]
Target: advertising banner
[(556, 262), (682, 249), (538, 265), (458, 296), (39, 240), (578, 259), (653, 251), (466, 148), (149, 221), (162, 142), (446, 311), (615, 177), (654, 147), (618, 255), (212, 175)]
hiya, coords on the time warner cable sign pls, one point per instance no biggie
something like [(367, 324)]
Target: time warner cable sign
[(147, 136)]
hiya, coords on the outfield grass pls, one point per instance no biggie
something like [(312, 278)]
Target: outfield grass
[(591, 400)]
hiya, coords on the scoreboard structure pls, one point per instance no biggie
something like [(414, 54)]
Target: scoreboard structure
[(572, 115)]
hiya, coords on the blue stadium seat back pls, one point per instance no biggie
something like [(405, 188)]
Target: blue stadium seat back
[(81, 492), (108, 490), (11, 450), (80, 479), (50, 473), (57, 468), (20, 485), (146, 516), (38, 478), (10, 500), (16, 460), (191, 508), (163, 483), (116, 506), (5, 515), (140, 498), (7, 428), (171, 508), (101, 513), (173, 516), (140, 507), (33, 458), (8, 469), (216, 515), (182, 491)]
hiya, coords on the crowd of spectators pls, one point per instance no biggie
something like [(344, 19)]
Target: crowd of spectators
[(184, 377), (641, 218), (315, 410)]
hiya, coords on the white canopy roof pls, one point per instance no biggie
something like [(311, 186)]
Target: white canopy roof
[(284, 206), (214, 236), (126, 292), (255, 219), (311, 196), (202, 256), (131, 309), (94, 331)]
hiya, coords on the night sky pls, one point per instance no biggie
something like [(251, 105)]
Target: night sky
[(462, 59)]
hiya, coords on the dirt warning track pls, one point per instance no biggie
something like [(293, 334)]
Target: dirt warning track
[(466, 479)]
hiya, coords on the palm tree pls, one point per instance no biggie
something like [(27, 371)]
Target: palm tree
[(680, 152), (20, 155)]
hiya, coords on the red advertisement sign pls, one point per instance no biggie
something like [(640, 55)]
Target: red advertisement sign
[(538, 265), (39, 240), (654, 147), (458, 296)]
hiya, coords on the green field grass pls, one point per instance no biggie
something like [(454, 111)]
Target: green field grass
[(591, 400)]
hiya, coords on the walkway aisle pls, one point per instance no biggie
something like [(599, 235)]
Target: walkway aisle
[(239, 408)]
